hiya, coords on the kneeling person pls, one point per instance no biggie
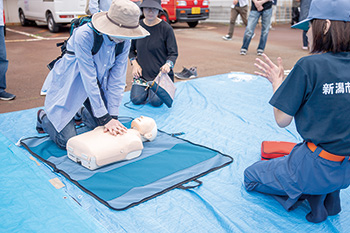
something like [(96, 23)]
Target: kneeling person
[(95, 81)]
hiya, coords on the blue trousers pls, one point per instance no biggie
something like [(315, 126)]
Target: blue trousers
[(252, 21), (302, 172), (61, 138), (305, 39), (3, 61), (139, 95)]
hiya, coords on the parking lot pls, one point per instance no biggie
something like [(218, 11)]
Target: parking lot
[(30, 49)]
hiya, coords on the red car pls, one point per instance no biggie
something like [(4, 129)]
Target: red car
[(190, 11)]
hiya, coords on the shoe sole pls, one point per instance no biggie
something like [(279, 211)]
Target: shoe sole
[(192, 76), (7, 99), (243, 52)]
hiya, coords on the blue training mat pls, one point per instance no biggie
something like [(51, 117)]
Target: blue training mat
[(164, 164)]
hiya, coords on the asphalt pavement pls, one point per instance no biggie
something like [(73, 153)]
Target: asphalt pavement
[(30, 49)]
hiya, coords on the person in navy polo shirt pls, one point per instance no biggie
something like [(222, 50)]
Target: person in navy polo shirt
[(316, 94)]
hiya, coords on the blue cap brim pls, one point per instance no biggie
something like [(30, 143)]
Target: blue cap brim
[(303, 25)]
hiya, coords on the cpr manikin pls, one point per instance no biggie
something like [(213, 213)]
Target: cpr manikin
[(96, 148)]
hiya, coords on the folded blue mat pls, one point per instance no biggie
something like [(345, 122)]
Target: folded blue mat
[(164, 164)]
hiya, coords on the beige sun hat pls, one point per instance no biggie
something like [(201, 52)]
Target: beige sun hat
[(121, 20)]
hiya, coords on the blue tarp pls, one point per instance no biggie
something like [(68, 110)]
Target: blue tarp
[(229, 113)]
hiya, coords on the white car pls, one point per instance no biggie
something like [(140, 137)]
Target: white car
[(53, 12)]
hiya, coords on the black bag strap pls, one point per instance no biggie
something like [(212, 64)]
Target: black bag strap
[(98, 40), (119, 48)]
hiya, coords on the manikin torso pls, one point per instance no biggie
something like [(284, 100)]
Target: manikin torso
[(96, 148)]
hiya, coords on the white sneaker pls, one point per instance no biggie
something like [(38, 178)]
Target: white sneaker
[(259, 52), (227, 37), (243, 52)]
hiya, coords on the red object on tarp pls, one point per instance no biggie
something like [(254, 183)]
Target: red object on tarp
[(275, 149)]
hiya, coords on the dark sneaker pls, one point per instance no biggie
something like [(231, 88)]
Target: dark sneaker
[(41, 113), (180, 74), (78, 118), (259, 52), (186, 73), (243, 52), (193, 70), (6, 96), (227, 37)]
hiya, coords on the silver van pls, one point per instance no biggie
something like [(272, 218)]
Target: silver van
[(53, 12)]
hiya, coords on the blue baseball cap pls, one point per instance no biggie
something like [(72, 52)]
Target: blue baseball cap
[(338, 10)]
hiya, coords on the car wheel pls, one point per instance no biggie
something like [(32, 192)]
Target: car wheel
[(22, 18), (192, 24), (51, 24), (164, 16)]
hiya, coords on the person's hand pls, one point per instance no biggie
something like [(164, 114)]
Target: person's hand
[(258, 4), (114, 127), (136, 70), (235, 2), (165, 68), (259, 7), (273, 73)]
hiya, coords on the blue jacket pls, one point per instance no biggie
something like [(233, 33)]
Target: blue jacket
[(74, 78)]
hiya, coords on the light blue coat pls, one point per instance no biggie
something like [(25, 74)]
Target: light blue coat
[(73, 78)]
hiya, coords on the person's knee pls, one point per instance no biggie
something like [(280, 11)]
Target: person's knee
[(155, 101), (265, 33), (61, 138), (61, 143), (137, 100), (138, 95), (249, 33), (249, 179)]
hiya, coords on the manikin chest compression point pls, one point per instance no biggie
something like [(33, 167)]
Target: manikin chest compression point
[(96, 148)]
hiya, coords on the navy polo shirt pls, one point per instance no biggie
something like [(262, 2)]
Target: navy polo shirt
[(317, 94)]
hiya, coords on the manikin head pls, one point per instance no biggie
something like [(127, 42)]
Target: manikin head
[(146, 126)]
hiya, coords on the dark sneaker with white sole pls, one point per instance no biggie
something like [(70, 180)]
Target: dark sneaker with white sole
[(187, 73), (6, 96), (243, 52), (193, 70), (227, 37), (259, 52), (41, 113)]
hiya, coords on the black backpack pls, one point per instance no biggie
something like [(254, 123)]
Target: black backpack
[(98, 40)]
